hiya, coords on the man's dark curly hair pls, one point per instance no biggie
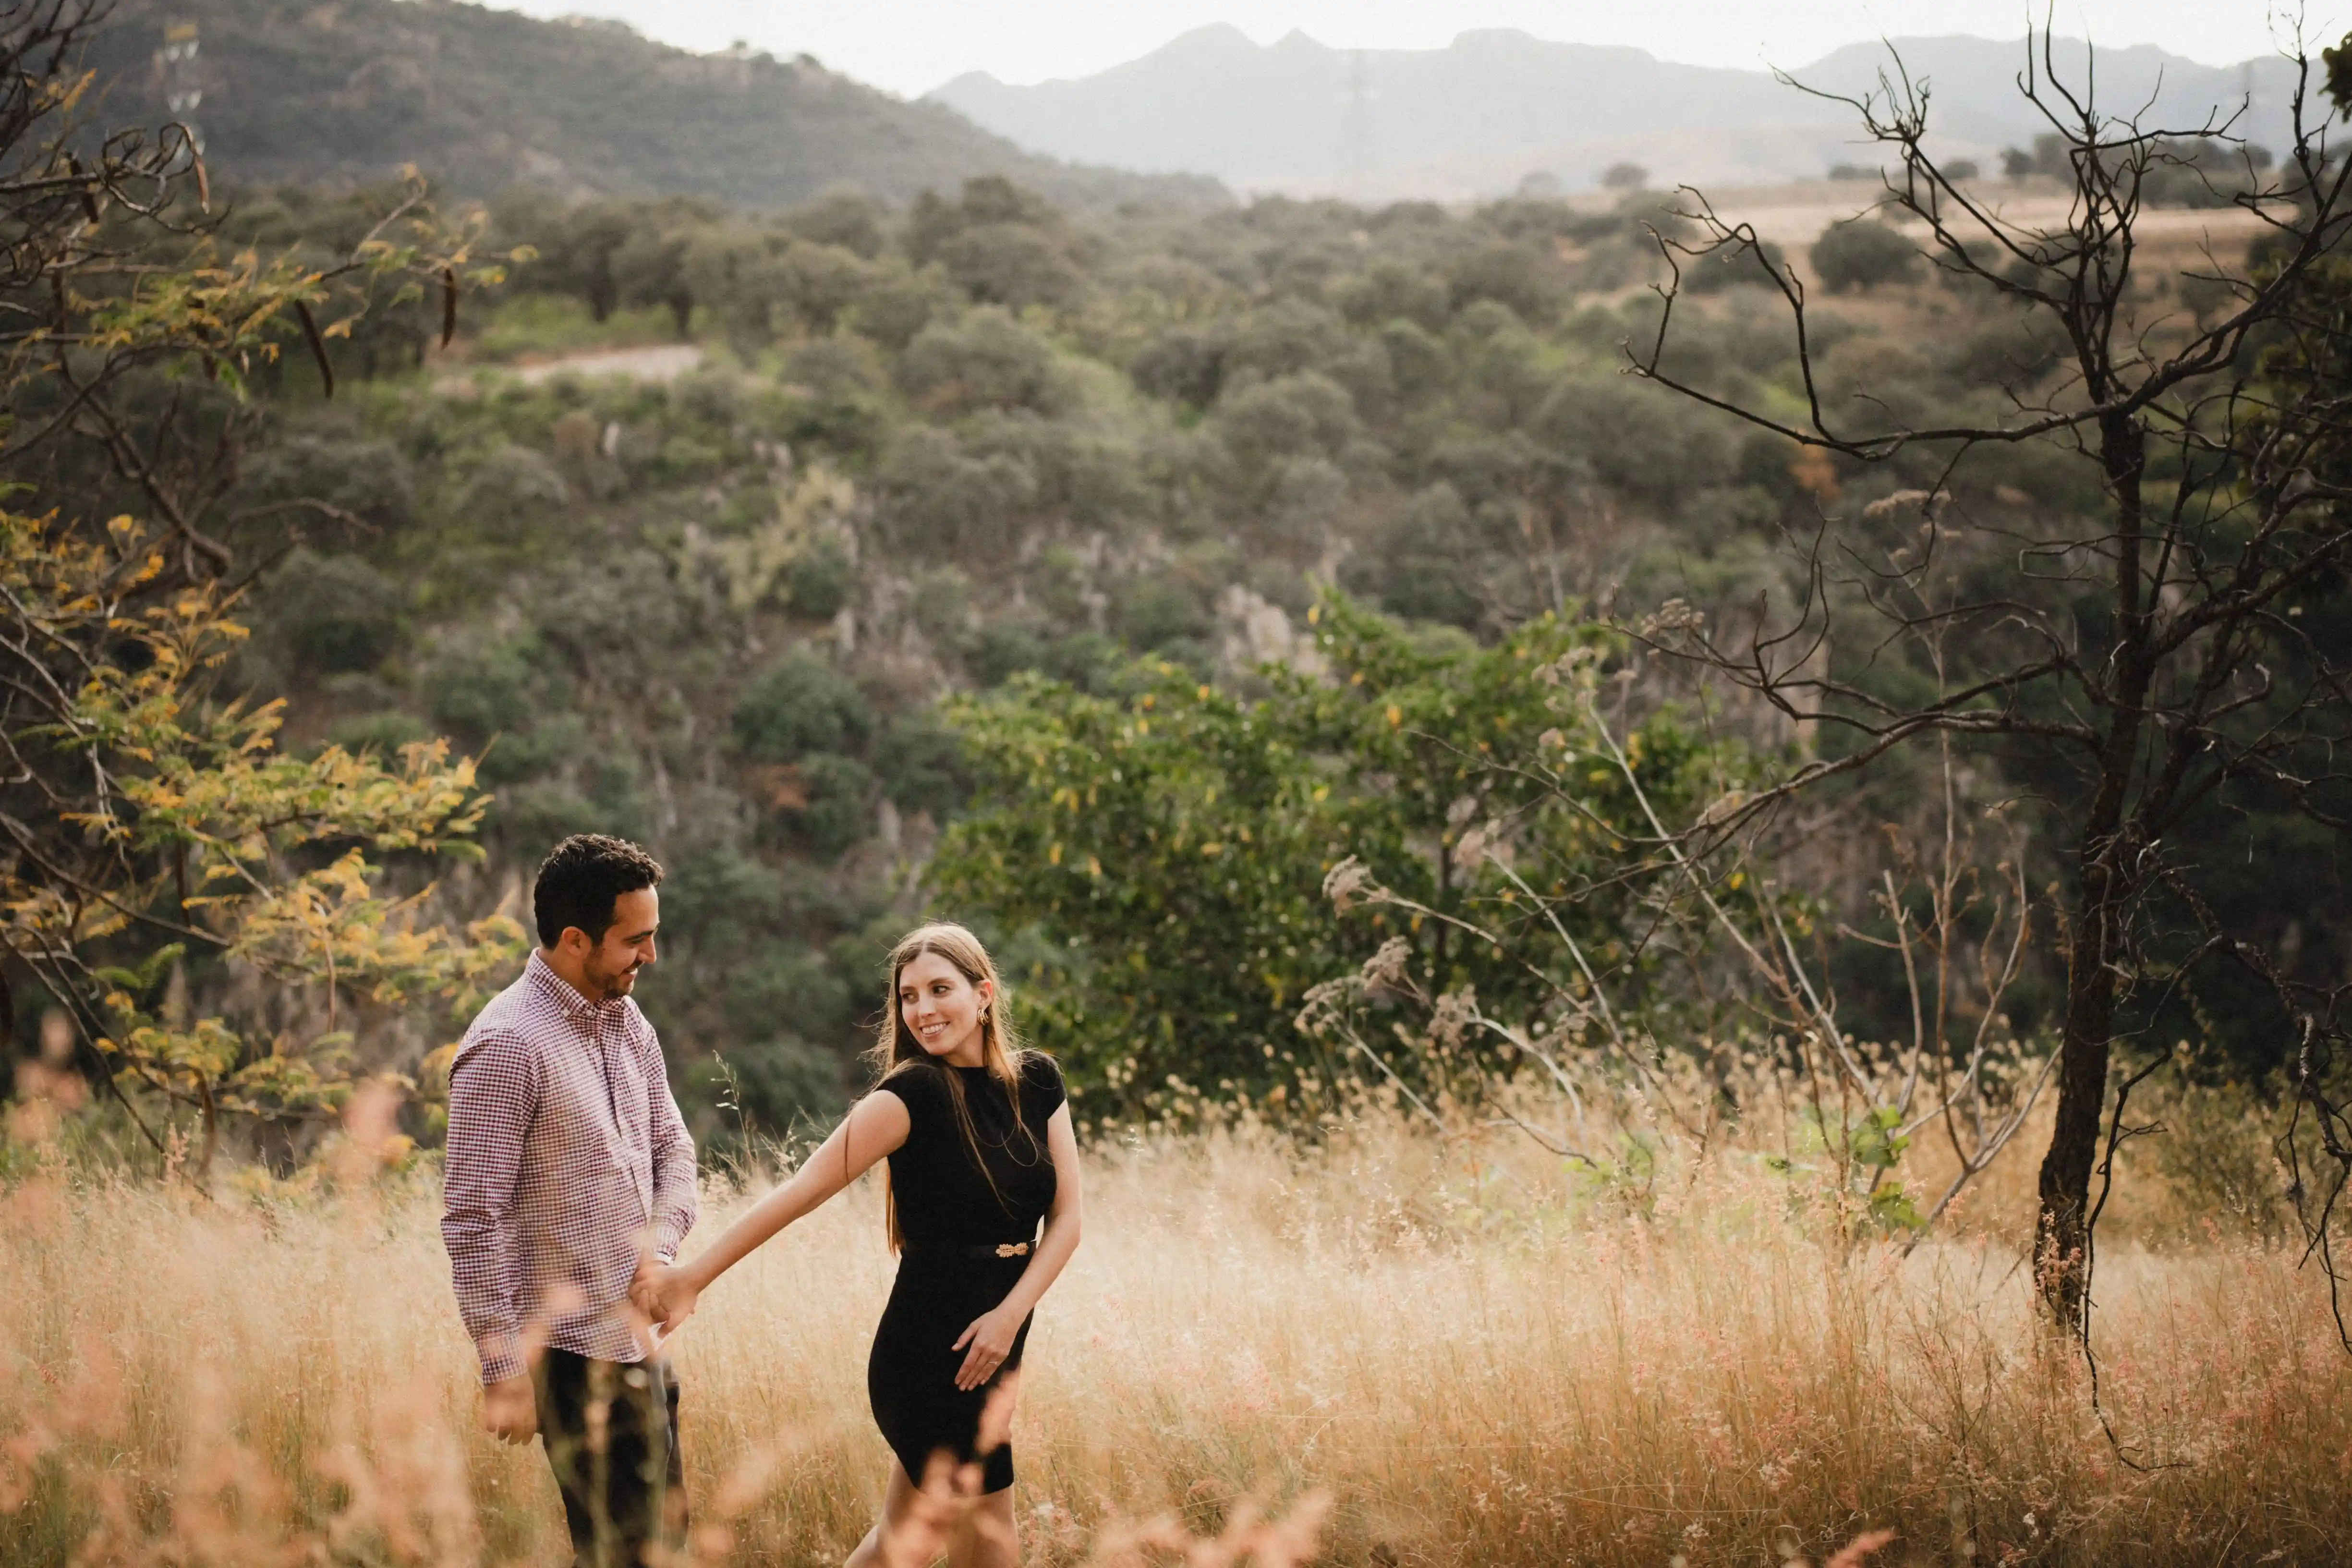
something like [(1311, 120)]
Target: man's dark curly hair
[(580, 879)]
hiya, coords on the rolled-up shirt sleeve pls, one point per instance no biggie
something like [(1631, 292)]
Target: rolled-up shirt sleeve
[(493, 1091), (674, 1204)]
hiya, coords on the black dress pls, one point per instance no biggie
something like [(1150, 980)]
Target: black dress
[(951, 1223)]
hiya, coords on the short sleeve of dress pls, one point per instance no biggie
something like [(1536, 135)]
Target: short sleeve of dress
[(1042, 1093), (915, 1090)]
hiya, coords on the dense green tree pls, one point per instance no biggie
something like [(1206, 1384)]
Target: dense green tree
[(986, 361), (1861, 254), (1145, 834), (798, 706), (333, 612)]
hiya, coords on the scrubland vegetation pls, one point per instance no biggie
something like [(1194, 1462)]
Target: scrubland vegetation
[(930, 453)]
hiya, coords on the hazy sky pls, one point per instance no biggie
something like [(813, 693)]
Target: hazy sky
[(913, 45)]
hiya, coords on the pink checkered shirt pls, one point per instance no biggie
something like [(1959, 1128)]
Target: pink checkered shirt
[(567, 1161)]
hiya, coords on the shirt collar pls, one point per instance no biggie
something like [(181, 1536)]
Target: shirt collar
[(562, 993)]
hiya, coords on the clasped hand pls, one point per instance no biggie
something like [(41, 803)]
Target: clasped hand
[(664, 1294)]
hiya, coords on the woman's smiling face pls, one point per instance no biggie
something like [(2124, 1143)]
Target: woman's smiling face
[(942, 1009)]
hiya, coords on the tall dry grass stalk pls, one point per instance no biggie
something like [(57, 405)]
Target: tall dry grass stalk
[(1478, 1361)]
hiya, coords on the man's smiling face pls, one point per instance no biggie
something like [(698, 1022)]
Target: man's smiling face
[(610, 967)]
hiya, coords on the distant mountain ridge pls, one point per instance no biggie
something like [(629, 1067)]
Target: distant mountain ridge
[(1477, 117), (349, 90)]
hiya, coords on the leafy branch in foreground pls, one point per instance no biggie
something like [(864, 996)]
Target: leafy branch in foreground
[(147, 825), (149, 828)]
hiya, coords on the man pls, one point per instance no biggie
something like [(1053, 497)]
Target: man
[(570, 1176)]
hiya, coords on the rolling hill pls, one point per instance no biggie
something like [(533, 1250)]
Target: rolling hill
[(339, 91)]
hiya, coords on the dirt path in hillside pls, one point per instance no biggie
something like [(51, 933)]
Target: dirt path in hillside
[(662, 362)]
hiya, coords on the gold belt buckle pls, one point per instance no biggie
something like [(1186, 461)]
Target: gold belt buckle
[(1013, 1250)]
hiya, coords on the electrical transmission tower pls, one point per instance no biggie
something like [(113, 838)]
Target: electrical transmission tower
[(176, 71), (1357, 128)]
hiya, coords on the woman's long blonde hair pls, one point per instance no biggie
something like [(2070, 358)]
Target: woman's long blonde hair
[(896, 1051)]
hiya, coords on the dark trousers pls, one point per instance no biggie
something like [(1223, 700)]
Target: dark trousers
[(611, 1433)]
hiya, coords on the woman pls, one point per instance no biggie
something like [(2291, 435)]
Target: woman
[(980, 1147)]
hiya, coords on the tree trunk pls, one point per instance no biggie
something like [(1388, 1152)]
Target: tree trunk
[(2061, 1226), (2060, 1233)]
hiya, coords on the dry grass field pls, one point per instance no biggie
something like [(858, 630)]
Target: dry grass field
[(1474, 1356)]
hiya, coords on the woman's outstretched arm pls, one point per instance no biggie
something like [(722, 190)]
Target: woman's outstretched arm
[(992, 1333), (876, 1126)]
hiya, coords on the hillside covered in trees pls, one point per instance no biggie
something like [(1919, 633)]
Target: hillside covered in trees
[(480, 99), (744, 615)]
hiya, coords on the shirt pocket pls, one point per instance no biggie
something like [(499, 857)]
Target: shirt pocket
[(632, 1098)]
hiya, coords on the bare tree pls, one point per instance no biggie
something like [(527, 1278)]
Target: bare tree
[(2135, 666)]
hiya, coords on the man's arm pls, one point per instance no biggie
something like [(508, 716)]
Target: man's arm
[(493, 1094), (675, 1202)]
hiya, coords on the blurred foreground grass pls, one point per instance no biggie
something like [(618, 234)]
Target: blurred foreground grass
[(1480, 1360)]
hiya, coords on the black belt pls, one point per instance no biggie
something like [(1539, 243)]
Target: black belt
[(997, 1249)]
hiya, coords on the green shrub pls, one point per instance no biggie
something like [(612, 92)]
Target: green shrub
[(920, 760), (989, 360), (509, 489), (942, 610), (531, 817), (836, 366), (1862, 254), (1731, 265), (1154, 612), (787, 986), (939, 500), (1424, 564), (820, 581), (684, 457), (333, 612), (785, 1083), (1004, 648), (1306, 415), (545, 744), (1087, 660), (842, 215), (1172, 844), (496, 687), (1016, 264), (1518, 275), (370, 479), (1637, 440), (1285, 337), (1183, 365), (801, 704), (836, 813)]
